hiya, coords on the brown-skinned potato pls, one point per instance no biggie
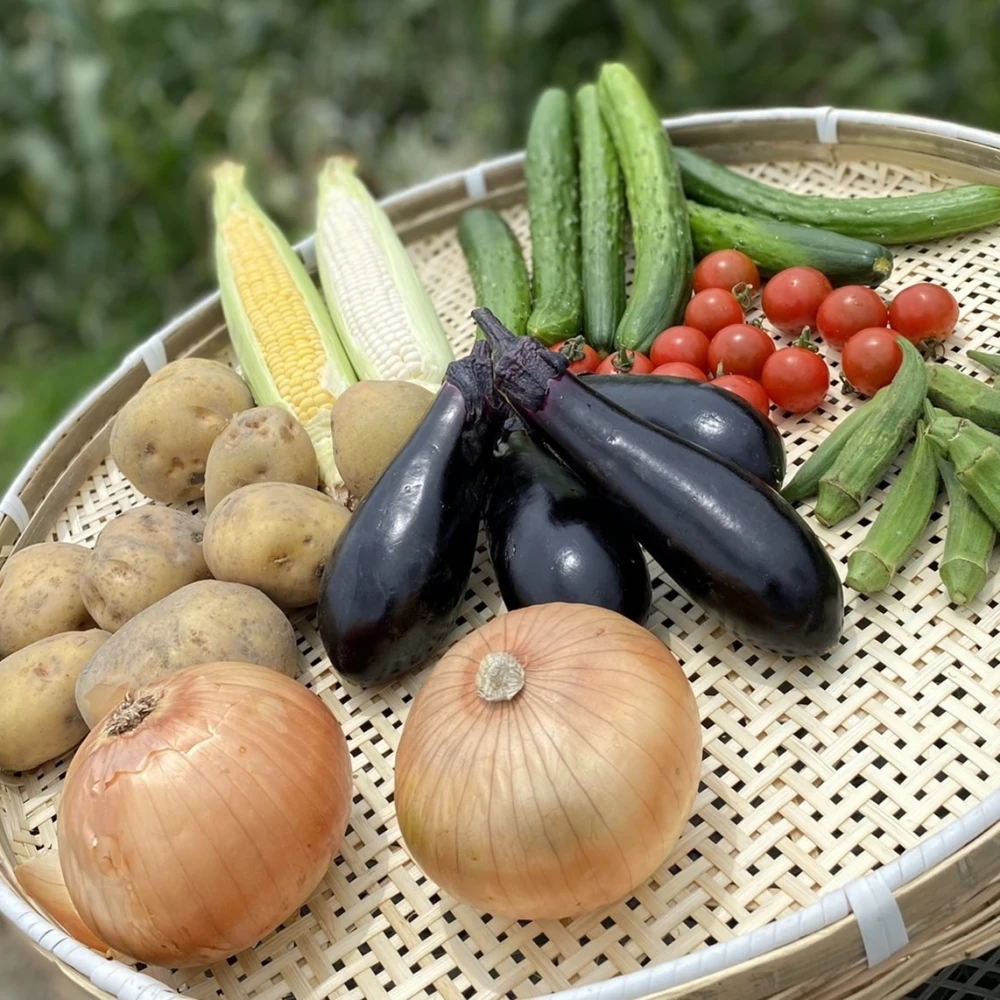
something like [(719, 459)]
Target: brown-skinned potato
[(163, 434), (139, 558), (276, 537), (263, 445), (203, 622), (40, 594)]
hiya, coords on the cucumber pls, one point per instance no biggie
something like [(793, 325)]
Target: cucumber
[(554, 210), (774, 245), (602, 224), (664, 259), (910, 218), (496, 264)]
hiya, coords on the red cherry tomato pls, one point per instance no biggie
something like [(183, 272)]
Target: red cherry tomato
[(740, 349), (747, 388), (796, 379), (847, 310), (711, 310), (582, 357), (729, 269), (680, 369), (793, 296), (924, 312), (681, 343), (871, 359), (625, 362)]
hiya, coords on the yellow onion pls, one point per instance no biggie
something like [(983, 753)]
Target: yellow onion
[(41, 878), (549, 763), (203, 811)]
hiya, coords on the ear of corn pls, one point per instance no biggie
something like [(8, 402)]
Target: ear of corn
[(382, 312), (281, 331)]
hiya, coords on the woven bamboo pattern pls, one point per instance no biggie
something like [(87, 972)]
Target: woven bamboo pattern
[(815, 771)]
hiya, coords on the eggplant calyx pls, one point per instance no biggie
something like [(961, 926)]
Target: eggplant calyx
[(472, 376)]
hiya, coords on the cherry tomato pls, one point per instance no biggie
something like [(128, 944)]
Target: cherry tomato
[(729, 269), (747, 388), (740, 349), (796, 378), (625, 362), (847, 310), (924, 312), (871, 359), (792, 297), (582, 357), (680, 369), (711, 310), (681, 343)]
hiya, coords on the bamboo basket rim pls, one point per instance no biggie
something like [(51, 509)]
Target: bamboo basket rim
[(873, 916)]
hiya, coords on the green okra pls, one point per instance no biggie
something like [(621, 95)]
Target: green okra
[(968, 540), (963, 396), (991, 362), (870, 451), (805, 482), (900, 522), (975, 453)]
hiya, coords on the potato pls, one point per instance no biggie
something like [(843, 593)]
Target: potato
[(276, 537), (140, 557), (162, 436), (39, 719), (371, 422), (263, 445), (200, 623), (40, 594)]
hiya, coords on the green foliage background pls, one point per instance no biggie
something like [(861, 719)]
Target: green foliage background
[(111, 111)]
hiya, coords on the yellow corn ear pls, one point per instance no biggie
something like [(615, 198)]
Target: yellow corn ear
[(281, 331), (385, 318)]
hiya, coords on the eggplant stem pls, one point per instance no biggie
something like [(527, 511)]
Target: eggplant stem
[(496, 334)]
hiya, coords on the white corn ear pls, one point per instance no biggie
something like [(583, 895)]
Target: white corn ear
[(385, 318)]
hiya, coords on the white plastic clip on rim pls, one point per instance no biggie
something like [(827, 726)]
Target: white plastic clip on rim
[(879, 918), (826, 125), (14, 508), (475, 182), (153, 354)]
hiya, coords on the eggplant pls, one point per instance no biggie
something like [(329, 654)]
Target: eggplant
[(729, 541), (398, 572), (718, 421), (552, 539)]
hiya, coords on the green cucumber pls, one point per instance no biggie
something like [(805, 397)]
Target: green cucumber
[(496, 264), (872, 448), (554, 210), (661, 233), (774, 245), (602, 224), (909, 218)]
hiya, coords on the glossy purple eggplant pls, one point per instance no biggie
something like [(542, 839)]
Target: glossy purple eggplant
[(553, 539), (719, 422), (391, 590), (730, 542)]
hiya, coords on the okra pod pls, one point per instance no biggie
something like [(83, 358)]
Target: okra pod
[(805, 482), (963, 396), (975, 453), (901, 520), (991, 362), (870, 451), (968, 540)]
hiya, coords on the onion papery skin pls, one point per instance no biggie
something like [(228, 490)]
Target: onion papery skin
[(568, 796), (42, 880), (193, 835)]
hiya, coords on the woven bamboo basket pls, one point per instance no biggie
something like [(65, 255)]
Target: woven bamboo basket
[(846, 838)]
